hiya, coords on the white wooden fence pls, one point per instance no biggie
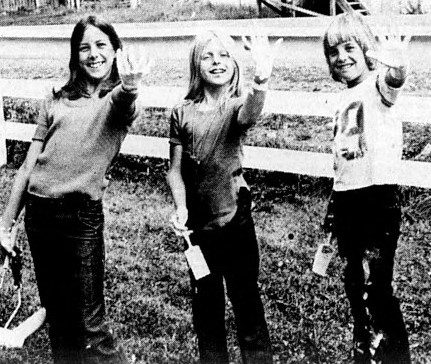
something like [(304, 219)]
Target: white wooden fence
[(410, 108)]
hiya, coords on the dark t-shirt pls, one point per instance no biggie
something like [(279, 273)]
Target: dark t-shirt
[(211, 161)]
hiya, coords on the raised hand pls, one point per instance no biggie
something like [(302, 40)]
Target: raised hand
[(132, 65), (392, 48), (263, 55)]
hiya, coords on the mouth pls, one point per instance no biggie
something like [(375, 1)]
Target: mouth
[(95, 65), (344, 67), (217, 71)]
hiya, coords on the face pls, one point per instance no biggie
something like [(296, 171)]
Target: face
[(96, 54), (347, 61), (216, 64)]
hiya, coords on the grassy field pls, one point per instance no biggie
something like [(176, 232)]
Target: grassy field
[(147, 291)]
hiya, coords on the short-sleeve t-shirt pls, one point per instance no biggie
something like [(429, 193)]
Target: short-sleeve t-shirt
[(80, 139), (212, 160), (367, 135)]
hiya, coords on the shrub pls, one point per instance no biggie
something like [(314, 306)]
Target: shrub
[(415, 6)]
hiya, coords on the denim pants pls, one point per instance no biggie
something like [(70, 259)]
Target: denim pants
[(232, 254), (367, 225), (66, 241)]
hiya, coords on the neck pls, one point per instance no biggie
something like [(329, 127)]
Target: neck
[(92, 87), (359, 79), (213, 94)]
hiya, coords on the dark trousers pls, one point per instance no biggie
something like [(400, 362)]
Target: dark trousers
[(232, 255), (67, 246), (367, 225)]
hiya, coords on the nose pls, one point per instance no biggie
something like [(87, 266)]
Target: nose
[(93, 51), (216, 59), (342, 55)]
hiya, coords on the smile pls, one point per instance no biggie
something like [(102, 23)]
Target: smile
[(217, 71), (95, 64), (345, 67)]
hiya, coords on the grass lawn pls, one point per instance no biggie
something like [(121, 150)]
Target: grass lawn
[(147, 289)]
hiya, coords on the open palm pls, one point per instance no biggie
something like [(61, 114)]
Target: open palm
[(392, 49), (132, 65), (263, 55)]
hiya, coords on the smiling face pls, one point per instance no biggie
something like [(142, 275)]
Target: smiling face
[(96, 55), (347, 62), (216, 64)]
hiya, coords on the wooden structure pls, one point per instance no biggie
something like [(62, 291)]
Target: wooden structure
[(313, 7), (352, 5), (412, 108)]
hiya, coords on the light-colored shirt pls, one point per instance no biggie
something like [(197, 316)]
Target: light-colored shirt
[(368, 135), (81, 138)]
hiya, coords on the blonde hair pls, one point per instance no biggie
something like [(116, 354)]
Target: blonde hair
[(347, 27), (196, 84)]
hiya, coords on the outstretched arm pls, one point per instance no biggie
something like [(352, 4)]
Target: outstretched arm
[(132, 66), (263, 57)]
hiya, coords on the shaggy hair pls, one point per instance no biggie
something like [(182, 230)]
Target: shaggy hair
[(347, 27)]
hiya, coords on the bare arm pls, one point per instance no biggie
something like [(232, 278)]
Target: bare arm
[(263, 56), (177, 186), (252, 107), (16, 200)]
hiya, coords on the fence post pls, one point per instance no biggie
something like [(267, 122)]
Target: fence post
[(332, 8), (3, 154)]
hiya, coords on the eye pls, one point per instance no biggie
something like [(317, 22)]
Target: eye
[(206, 57), (84, 48), (225, 54), (101, 44), (332, 52), (350, 47)]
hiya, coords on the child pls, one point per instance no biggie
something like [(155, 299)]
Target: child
[(367, 148), (61, 183), (212, 197)]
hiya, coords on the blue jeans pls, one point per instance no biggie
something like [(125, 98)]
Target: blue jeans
[(67, 246), (232, 255)]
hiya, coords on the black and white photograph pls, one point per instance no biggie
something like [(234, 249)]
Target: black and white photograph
[(215, 181)]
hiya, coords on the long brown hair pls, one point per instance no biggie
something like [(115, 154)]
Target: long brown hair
[(76, 85)]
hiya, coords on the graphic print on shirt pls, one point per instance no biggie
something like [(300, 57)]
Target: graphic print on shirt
[(349, 132)]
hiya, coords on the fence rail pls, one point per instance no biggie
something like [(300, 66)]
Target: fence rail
[(411, 108)]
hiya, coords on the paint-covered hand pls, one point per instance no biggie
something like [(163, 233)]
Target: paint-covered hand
[(179, 219), (132, 65), (8, 239), (263, 55), (392, 48)]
